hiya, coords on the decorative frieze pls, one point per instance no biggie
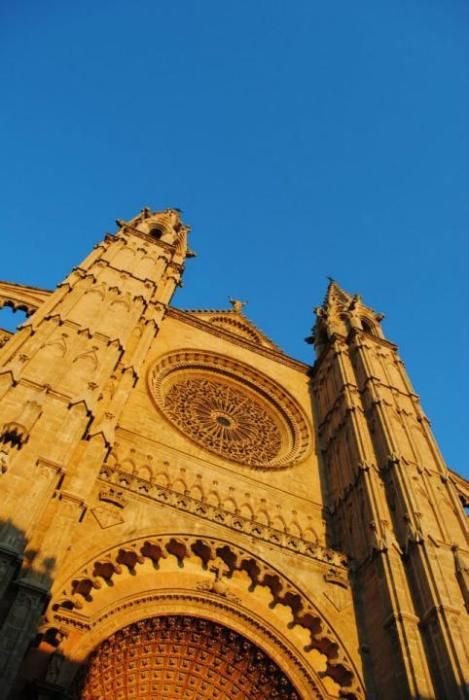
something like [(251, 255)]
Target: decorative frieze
[(223, 560), (220, 516)]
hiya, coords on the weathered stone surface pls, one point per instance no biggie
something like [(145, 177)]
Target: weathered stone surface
[(187, 512)]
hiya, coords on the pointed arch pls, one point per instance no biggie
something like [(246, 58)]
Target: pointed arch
[(151, 560)]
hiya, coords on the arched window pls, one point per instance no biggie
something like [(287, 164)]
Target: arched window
[(367, 326), (345, 321), (156, 233)]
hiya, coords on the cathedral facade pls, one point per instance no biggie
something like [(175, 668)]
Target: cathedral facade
[(187, 513)]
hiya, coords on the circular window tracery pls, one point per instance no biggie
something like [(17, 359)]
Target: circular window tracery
[(225, 419), (230, 409)]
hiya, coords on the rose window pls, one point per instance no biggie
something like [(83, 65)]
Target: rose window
[(224, 419), (230, 409)]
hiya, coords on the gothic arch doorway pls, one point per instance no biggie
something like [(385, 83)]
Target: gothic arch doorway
[(181, 657), (169, 575)]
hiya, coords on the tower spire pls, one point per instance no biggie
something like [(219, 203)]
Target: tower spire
[(87, 344), (391, 503), (340, 313)]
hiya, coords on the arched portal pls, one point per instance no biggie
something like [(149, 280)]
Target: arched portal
[(180, 657), (170, 575)]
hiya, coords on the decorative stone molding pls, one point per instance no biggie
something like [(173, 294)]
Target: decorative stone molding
[(235, 326), (221, 516), (277, 355), (233, 321), (22, 297), (230, 409), (184, 603), (110, 495), (86, 584)]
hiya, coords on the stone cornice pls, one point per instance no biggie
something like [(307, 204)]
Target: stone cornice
[(275, 355), (220, 516), (149, 445), (22, 296)]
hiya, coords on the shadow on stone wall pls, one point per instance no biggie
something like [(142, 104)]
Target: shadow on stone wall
[(30, 657), (28, 653)]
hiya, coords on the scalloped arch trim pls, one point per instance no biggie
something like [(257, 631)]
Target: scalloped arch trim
[(225, 561)]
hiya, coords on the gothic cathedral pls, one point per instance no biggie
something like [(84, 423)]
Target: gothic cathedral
[(187, 513)]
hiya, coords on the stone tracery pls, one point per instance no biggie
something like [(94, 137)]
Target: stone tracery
[(230, 409), (241, 517), (224, 419)]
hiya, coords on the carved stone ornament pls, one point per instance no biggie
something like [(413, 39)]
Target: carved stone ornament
[(182, 657), (4, 337), (230, 409), (107, 517), (90, 586)]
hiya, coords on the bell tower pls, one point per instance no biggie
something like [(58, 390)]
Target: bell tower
[(178, 517), (392, 506), (64, 379)]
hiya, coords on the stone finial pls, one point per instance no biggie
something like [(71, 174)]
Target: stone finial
[(340, 314), (237, 304)]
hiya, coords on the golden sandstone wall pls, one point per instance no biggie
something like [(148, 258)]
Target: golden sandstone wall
[(188, 512)]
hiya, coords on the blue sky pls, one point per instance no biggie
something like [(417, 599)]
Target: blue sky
[(301, 139)]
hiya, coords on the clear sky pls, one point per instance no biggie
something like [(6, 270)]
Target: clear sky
[(301, 139)]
